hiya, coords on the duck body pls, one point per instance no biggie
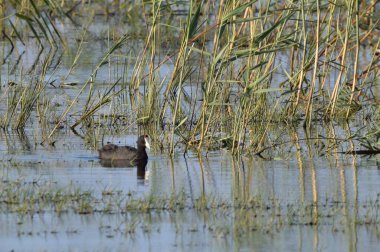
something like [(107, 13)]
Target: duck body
[(126, 153)]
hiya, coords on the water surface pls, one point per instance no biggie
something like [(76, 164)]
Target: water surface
[(342, 190)]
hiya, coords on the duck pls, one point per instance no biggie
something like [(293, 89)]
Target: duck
[(128, 154)]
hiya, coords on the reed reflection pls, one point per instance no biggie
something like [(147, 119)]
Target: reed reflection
[(16, 141)]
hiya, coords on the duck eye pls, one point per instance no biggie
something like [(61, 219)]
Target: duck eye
[(146, 136)]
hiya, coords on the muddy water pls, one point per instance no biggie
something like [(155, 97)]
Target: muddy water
[(344, 189)]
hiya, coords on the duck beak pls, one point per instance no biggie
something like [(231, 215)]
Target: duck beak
[(147, 145)]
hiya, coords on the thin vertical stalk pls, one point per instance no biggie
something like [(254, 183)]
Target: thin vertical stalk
[(192, 20), (332, 103), (302, 71), (2, 7), (357, 48), (316, 58), (211, 78), (327, 50)]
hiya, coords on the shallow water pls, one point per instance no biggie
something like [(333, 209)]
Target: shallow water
[(174, 232), (344, 188)]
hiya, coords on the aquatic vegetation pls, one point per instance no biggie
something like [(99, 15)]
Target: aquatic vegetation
[(253, 213), (234, 67)]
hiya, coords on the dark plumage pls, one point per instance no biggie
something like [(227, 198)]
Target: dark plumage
[(127, 153)]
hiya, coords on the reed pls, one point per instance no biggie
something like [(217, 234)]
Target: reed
[(233, 65)]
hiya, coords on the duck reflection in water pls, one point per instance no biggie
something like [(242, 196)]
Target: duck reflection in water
[(141, 165)]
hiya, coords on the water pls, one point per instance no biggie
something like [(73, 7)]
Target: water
[(344, 188), (177, 232)]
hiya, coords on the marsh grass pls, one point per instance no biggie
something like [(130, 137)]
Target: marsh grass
[(21, 100), (235, 68)]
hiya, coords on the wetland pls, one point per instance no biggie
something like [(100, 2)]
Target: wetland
[(263, 118)]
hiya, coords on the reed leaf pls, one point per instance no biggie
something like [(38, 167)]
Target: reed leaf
[(259, 38), (194, 21), (237, 11)]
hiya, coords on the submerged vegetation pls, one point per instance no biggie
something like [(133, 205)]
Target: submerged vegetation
[(196, 72)]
